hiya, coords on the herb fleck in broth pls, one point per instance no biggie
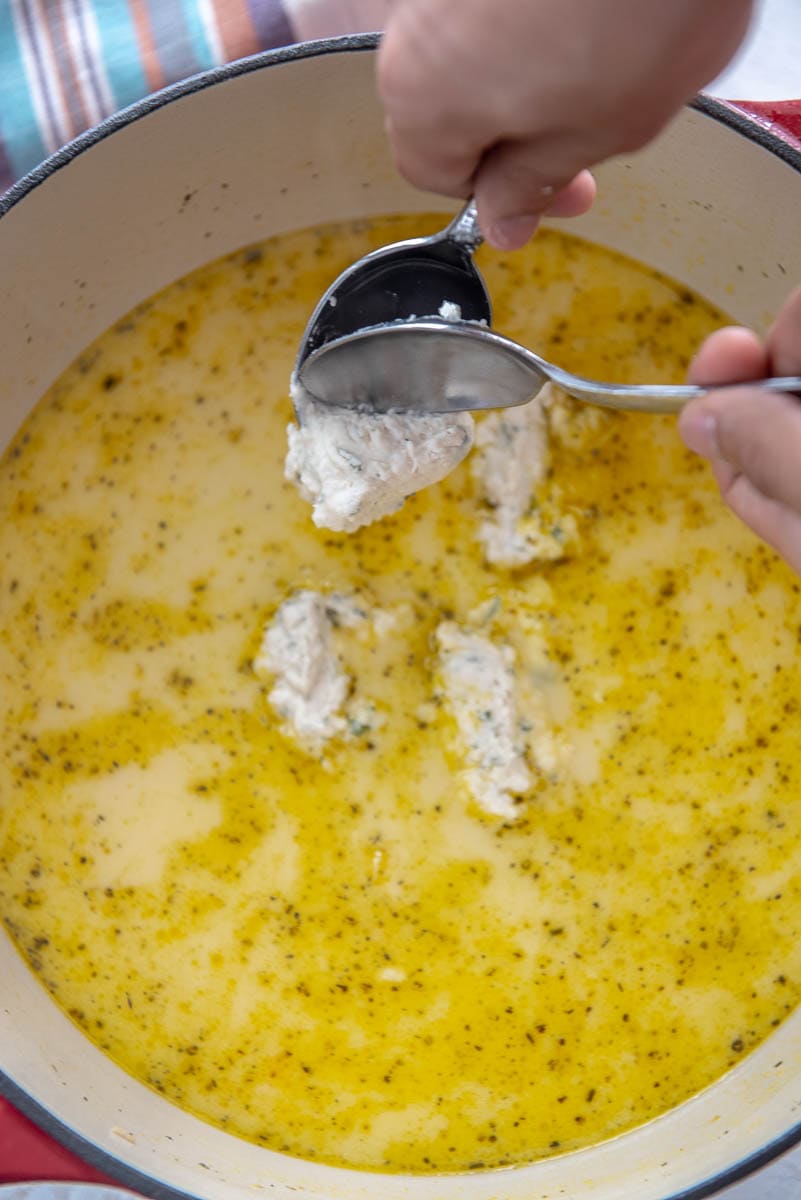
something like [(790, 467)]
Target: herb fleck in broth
[(343, 959)]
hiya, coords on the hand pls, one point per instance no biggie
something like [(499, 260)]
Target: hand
[(511, 100), (752, 438)]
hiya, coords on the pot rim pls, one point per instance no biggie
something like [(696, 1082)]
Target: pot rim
[(727, 113), (720, 111)]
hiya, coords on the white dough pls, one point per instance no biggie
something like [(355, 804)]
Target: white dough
[(297, 648), (511, 462), (478, 676), (449, 311), (357, 467)]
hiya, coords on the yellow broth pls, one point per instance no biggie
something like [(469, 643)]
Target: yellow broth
[(339, 956)]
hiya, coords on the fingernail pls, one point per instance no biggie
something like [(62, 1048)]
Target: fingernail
[(510, 233), (699, 432)]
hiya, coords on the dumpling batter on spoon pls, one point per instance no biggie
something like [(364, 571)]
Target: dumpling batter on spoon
[(358, 467)]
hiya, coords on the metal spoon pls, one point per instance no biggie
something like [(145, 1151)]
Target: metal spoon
[(376, 341)]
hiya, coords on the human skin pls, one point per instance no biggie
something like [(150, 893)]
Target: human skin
[(752, 438), (512, 100)]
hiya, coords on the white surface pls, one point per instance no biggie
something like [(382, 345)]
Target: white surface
[(767, 67), (63, 1191), (768, 64)]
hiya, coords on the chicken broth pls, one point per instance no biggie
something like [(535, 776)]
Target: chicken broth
[(330, 948)]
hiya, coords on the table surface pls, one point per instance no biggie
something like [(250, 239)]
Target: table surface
[(768, 67)]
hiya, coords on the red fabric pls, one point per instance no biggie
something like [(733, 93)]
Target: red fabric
[(782, 117), (26, 1153)]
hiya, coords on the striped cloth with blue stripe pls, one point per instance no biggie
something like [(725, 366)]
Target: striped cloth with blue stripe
[(66, 64)]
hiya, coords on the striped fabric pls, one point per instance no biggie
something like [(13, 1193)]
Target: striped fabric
[(66, 64)]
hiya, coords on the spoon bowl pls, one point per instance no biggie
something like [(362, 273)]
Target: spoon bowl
[(403, 282), (457, 367), (383, 338)]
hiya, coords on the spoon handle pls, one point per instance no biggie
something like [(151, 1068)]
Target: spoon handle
[(464, 229), (653, 398)]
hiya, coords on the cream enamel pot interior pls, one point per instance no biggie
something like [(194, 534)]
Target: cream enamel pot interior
[(284, 140)]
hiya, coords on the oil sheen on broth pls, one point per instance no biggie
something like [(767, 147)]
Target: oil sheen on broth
[(339, 956)]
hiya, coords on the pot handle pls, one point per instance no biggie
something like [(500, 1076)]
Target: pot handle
[(781, 117)]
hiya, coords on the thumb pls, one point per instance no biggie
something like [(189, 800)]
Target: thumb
[(729, 355), (753, 439), (755, 434)]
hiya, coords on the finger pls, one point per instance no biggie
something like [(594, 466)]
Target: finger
[(517, 181), (576, 199), (784, 339), (450, 170), (758, 434), (435, 165), (437, 131), (776, 524), (729, 356), (573, 201)]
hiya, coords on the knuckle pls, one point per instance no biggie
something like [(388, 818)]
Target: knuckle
[(425, 173), (392, 76), (416, 173), (519, 180)]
